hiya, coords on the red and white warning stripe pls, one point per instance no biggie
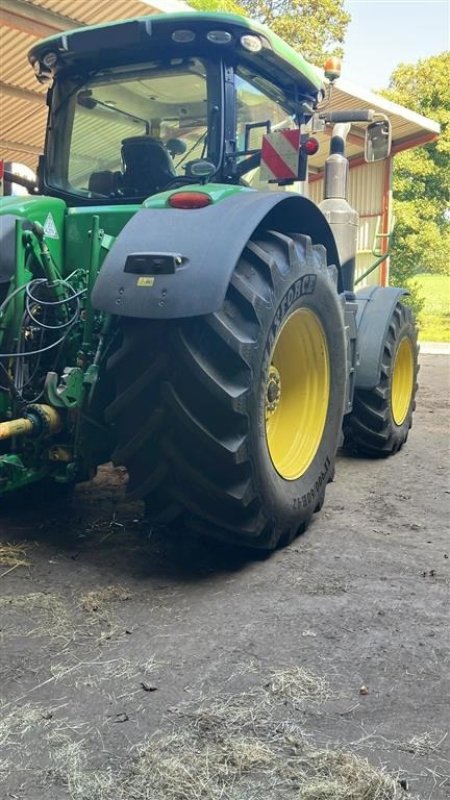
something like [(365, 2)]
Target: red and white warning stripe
[(1, 176), (280, 155)]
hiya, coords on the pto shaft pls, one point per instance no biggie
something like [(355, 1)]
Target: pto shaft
[(38, 420)]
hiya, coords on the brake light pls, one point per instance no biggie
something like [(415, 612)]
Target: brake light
[(189, 200), (311, 146)]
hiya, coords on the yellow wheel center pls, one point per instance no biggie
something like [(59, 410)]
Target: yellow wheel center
[(297, 394), (402, 381)]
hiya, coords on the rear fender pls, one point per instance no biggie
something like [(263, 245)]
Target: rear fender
[(205, 245), (375, 308)]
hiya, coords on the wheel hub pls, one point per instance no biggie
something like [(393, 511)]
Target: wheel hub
[(297, 393), (273, 393)]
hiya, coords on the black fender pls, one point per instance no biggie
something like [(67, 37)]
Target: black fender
[(375, 306), (199, 248)]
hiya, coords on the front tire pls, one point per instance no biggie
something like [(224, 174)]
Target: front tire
[(231, 421), (381, 418)]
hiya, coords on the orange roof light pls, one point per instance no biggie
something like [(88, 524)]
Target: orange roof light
[(332, 68)]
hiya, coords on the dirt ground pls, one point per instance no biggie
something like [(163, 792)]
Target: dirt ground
[(133, 666)]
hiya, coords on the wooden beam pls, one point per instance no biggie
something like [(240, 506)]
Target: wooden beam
[(22, 94), (20, 147), (33, 19)]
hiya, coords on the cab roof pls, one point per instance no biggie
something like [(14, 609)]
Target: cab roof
[(147, 35)]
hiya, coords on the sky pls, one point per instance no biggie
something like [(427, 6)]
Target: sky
[(385, 33)]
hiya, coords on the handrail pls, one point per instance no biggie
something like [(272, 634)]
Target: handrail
[(379, 256)]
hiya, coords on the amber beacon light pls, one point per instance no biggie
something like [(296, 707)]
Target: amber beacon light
[(332, 68)]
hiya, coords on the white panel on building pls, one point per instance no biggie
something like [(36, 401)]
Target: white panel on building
[(367, 196)]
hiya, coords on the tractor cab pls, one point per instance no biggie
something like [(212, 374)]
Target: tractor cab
[(146, 105)]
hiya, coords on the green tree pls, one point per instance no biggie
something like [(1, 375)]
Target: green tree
[(421, 181), (316, 28), (217, 5)]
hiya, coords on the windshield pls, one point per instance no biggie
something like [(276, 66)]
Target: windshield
[(128, 133)]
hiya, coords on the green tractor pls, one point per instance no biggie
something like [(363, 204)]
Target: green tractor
[(160, 311)]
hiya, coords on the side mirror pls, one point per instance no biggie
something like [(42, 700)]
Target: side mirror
[(378, 141)]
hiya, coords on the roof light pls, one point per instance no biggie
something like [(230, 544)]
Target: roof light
[(183, 36), (311, 146), (43, 74), (219, 37), (189, 200), (251, 43), (332, 68), (50, 59)]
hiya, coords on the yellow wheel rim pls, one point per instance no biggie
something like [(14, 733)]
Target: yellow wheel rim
[(402, 381), (297, 394)]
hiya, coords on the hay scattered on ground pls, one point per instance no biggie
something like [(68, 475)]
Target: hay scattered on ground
[(245, 746), (421, 745), (41, 614), (180, 767), (337, 775), (187, 765), (97, 599), (15, 728), (299, 686), (70, 767), (17, 723), (424, 744), (12, 556), (51, 615), (101, 618), (92, 673)]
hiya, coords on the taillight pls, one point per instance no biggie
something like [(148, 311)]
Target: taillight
[(189, 200), (311, 146)]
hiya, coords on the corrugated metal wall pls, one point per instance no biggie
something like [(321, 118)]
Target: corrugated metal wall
[(22, 117), (366, 187)]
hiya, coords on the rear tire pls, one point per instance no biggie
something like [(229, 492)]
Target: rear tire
[(379, 423), (196, 428)]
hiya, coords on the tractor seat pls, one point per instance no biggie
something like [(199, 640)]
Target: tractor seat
[(104, 182), (148, 167)]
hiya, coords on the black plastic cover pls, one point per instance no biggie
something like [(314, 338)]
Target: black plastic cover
[(7, 247), (209, 242)]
